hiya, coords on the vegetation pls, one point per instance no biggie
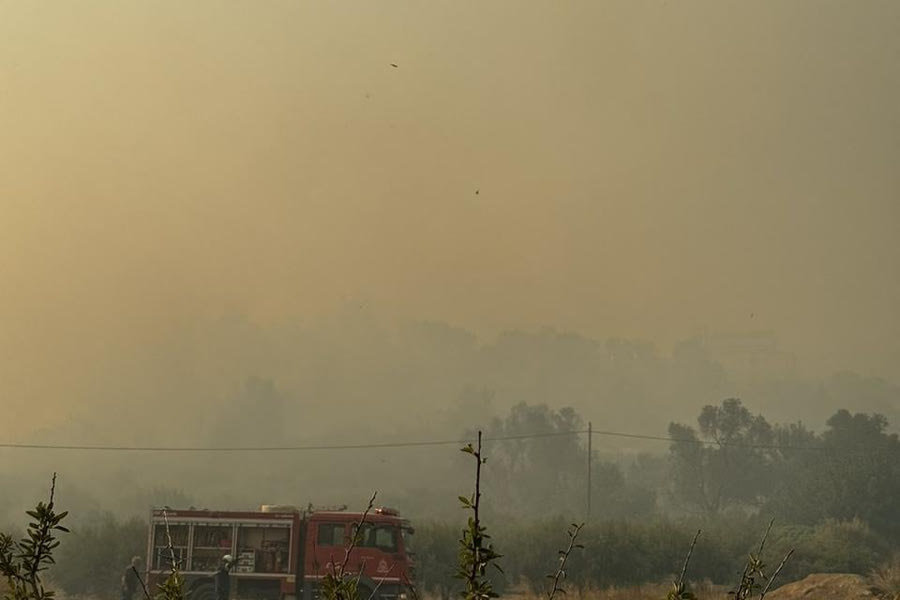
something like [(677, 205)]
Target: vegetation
[(109, 543), (173, 587), (753, 578), (561, 573), (476, 552), (626, 553), (23, 562), (885, 579), (850, 469), (679, 589), (732, 469)]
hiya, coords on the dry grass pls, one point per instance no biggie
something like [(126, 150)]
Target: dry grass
[(649, 591), (885, 579)]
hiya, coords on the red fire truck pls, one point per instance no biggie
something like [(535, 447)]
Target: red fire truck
[(281, 552)]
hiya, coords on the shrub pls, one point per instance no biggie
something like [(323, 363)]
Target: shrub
[(435, 551), (93, 558), (885, 579), (619, 553), (23, 562), (829, 547)]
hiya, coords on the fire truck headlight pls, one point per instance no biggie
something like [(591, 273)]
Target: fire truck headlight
[(401, 596)]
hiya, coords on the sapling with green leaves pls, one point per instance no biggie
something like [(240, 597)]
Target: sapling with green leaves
[(753, 577), (679, 589), (23, 561), (173, 587), (336, 585), (476, 552), (561, 572)]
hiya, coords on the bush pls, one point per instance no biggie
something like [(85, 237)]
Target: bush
[(617, 553), (435, 548), (630, 552), (92, 559), (829, 547), (885, 579)]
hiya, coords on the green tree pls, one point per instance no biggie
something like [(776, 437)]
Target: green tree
[(726, 464), (794, 491), (854, 472), (537, 473)]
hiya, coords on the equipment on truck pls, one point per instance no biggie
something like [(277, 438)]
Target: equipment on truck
[(281, 552)]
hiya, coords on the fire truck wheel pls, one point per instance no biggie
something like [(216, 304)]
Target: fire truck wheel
[(204, 591), (362, 592)]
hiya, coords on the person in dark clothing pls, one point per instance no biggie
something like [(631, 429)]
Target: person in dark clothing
[(130, 582), (222, 579)]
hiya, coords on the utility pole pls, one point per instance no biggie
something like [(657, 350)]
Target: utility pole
[(590, 439)]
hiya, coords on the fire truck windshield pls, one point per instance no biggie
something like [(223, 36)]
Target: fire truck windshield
[(383, 537)]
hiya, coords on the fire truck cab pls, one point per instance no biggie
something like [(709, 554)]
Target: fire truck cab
[(281, 553)]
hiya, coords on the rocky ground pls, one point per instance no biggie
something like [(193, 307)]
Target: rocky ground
[(826, 586)]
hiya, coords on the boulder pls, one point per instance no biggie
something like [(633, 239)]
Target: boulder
[(825, 586)]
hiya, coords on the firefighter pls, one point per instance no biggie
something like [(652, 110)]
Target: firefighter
[(221, 578), (129, 583)]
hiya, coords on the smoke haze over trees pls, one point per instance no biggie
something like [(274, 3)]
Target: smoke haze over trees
[(357, 380), (777, 444)]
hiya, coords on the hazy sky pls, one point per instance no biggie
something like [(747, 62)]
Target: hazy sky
[(638, 169)]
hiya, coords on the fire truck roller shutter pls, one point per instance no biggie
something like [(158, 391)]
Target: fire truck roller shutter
[(369, 589)]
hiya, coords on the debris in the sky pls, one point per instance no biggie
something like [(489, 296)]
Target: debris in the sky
[(394, 65)]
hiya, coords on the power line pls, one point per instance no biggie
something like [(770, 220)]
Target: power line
[(697, 442), (385, 445), (228, 448), (374, 445)]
